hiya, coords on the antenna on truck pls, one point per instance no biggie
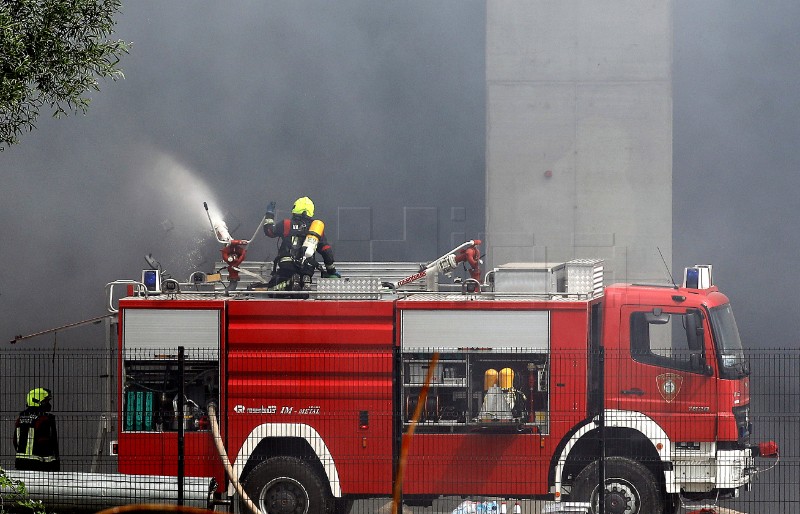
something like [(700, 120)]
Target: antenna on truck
[(669, 274)]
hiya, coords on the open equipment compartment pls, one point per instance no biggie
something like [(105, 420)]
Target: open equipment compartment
[(150, 370), (492, 374), (151, 388), (478, 390)]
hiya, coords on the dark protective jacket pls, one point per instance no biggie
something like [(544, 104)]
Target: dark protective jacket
[(36, 441), (292, 233)]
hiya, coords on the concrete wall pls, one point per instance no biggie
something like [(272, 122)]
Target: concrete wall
[(579, 133)]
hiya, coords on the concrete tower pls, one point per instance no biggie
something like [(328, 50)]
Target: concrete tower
[(579, 134)]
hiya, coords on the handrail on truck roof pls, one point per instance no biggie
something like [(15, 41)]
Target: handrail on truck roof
[(138, 288)]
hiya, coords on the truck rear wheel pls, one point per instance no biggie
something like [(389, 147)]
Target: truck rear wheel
[(630, 487), (286, 485)]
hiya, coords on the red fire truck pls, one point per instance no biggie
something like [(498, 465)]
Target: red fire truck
[(529, 379)]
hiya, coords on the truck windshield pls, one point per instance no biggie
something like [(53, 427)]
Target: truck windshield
[(732, 363)]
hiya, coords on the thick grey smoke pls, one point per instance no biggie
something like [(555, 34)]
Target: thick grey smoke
[(371, 105), (736, 181), (736, 157), (381, 106), (378, 105)]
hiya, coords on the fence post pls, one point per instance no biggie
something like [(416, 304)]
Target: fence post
[(601, 494), (397, 423), (180, 419)]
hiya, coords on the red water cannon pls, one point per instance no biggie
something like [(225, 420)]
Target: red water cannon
[(472, 256), (233, 255), (467, 252), (234, 251)]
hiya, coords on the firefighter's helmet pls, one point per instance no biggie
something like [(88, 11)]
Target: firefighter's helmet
[(304, 206), (36, 397)]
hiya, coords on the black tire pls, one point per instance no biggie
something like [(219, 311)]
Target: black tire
[(630, 487), (286, 485)]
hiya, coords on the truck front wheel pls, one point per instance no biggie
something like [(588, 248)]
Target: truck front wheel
[(630, 487), (286, 485)]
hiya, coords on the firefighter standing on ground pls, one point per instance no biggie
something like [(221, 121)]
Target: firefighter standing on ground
[(293, 252), (35, 436)]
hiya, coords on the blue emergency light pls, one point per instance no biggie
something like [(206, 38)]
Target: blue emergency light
[(151, 278), (697, 277)]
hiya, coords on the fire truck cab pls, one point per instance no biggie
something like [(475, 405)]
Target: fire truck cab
[(517, 390)]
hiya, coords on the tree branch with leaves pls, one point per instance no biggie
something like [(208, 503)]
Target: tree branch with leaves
[(14, 496), (52, 54)]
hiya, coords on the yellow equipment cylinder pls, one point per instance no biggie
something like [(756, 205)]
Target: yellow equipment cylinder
[(317, 228), (314, 233), (489, 379), (506, 378)]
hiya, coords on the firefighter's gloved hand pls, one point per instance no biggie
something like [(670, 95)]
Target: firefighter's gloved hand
[(270, 215)]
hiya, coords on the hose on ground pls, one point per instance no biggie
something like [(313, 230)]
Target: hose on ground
[(223, 455)]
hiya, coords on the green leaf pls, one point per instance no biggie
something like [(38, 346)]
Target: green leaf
[(52, 53)]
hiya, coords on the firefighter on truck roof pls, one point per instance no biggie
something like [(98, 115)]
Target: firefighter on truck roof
[(35, 436), (301, 237)]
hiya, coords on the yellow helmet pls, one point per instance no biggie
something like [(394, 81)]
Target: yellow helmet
[(305, 206), (36, 397)]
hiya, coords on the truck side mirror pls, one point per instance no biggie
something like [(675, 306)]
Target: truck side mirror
[(694, 330)]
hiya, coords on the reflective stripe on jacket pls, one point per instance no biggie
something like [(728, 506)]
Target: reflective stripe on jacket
[(35, 436)]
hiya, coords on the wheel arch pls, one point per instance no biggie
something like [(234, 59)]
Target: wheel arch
[(291, 440), (630, 434)]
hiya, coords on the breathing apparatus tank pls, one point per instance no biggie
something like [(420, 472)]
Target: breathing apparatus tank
[(489, 379), (506, 378), (315, 232)]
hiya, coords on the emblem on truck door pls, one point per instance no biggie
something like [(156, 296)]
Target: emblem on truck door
[(669, 385)]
